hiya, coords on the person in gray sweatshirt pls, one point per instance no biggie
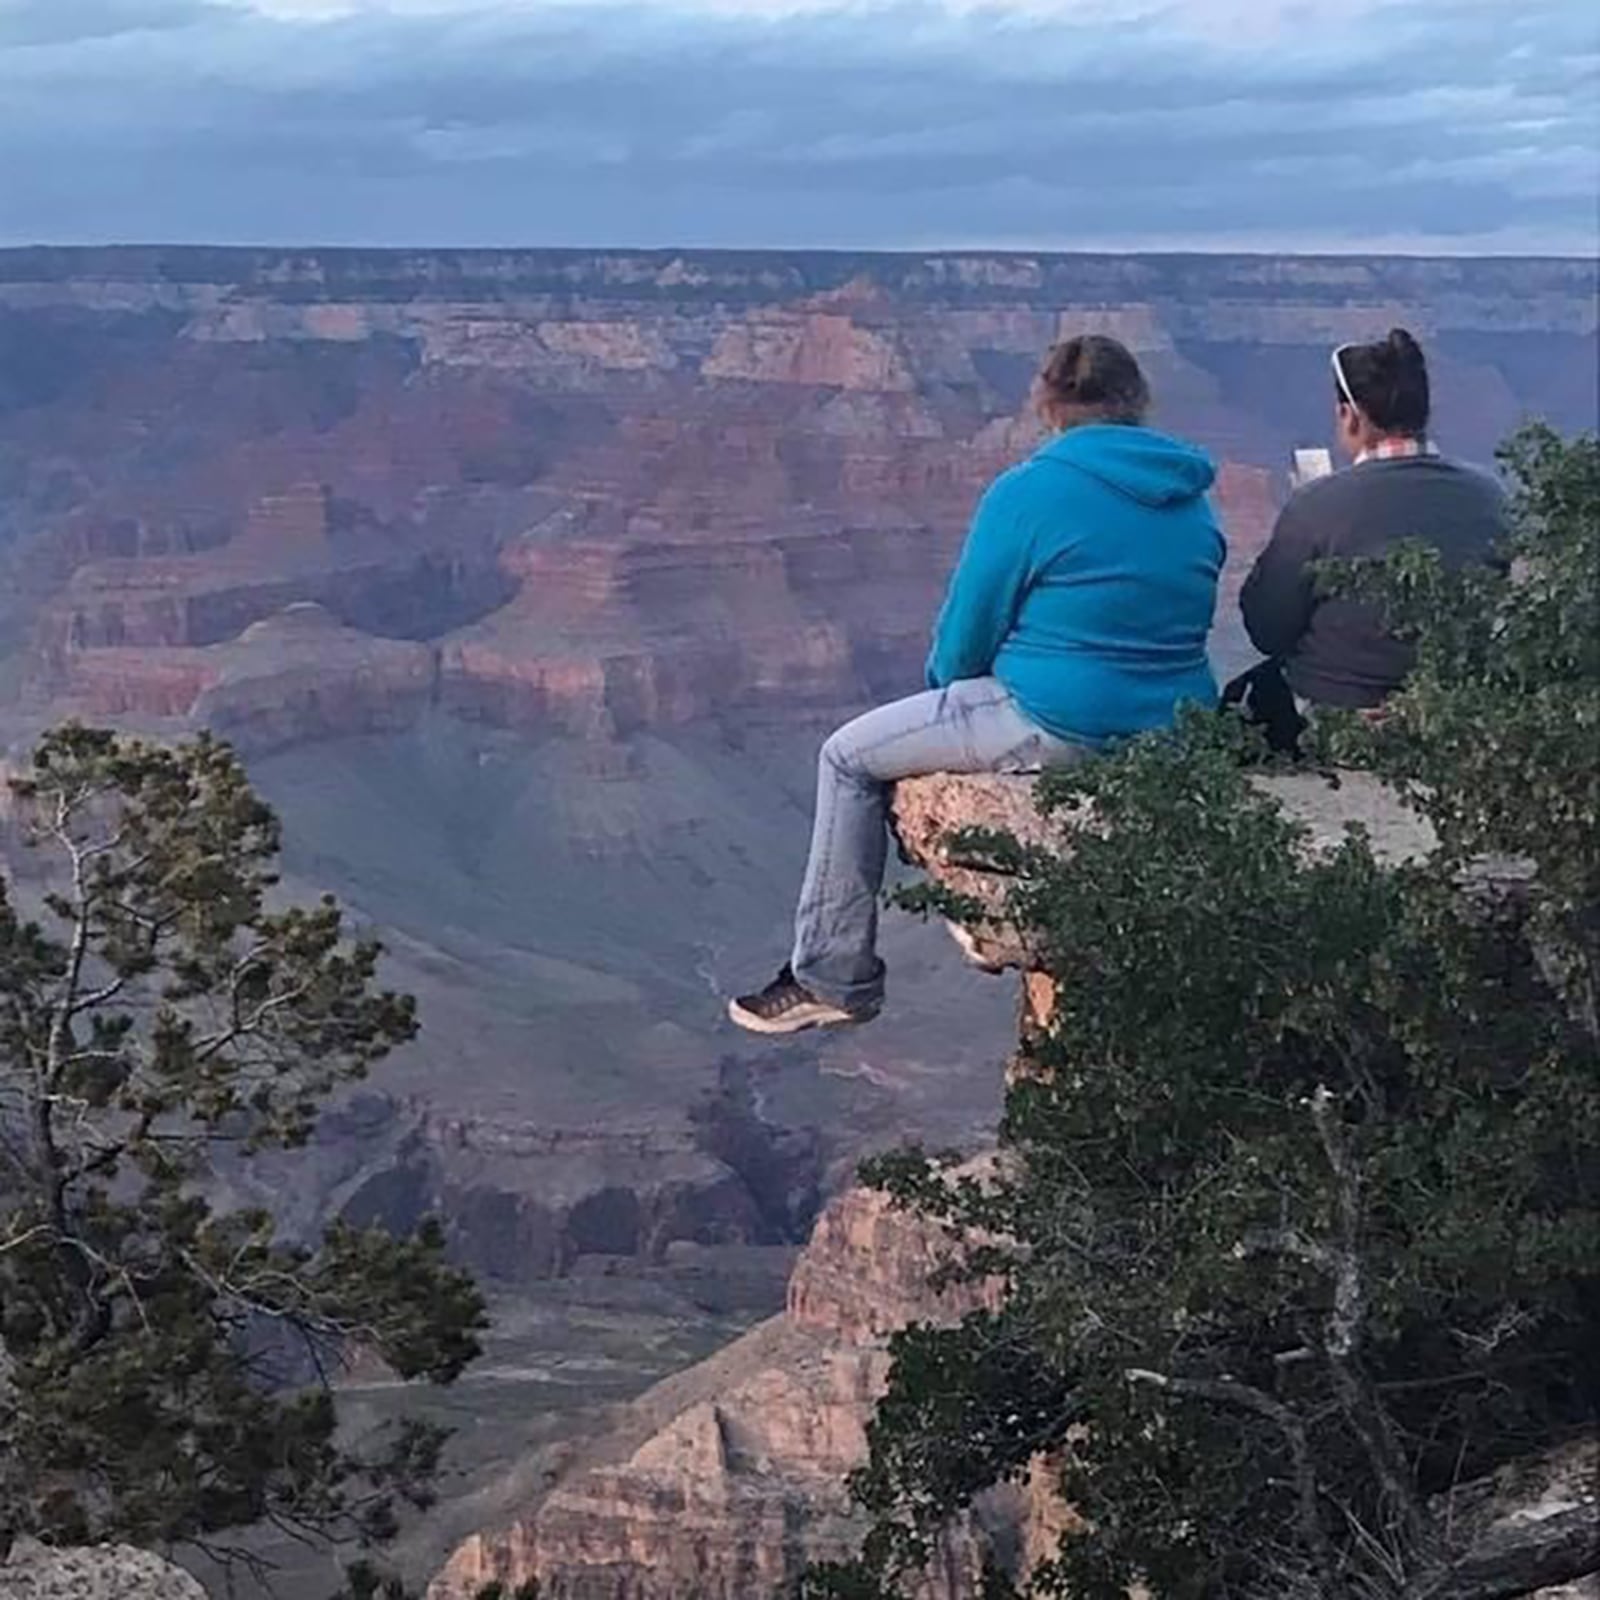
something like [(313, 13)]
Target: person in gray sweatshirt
[(1335, 651)]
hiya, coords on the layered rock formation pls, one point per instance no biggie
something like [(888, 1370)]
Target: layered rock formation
[(725, 1481), (296, 674), (615, 492), (521, 1201)]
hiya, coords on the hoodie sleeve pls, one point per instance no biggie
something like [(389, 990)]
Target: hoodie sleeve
[(1280, 594), (986, 588)]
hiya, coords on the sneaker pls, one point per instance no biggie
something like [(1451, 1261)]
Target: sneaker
[(787, 1006)]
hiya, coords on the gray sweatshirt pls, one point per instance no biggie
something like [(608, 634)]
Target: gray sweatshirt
[(1337, 652)]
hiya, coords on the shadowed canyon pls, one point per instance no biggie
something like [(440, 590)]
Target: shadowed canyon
[(527, 583)]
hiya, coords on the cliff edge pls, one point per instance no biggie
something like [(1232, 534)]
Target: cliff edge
[(724, 1482)]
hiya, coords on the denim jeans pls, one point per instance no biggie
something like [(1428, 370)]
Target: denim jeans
[(973, 726)]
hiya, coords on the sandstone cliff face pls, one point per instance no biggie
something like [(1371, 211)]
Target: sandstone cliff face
[(869, 1271), (723, 1483)]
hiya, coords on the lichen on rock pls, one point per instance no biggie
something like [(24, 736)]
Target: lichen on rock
[(98, 1572)]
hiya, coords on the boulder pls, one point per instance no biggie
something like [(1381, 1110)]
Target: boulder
[(96, 1572)]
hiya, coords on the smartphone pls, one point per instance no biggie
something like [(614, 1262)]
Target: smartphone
[(1309, 465)]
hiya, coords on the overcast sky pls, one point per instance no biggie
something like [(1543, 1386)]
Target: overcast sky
[(1441, 125)]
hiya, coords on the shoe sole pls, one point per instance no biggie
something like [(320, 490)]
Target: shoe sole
[(751, 1023)]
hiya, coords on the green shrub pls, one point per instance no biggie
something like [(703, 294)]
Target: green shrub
[(1303, 1200)]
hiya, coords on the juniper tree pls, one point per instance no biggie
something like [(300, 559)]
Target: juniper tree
[(158, 1007), (1300, 1204)]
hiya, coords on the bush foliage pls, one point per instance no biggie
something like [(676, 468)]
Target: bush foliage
[(1301, 1195)]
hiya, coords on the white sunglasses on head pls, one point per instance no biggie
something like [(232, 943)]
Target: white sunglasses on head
[(1339, 377)]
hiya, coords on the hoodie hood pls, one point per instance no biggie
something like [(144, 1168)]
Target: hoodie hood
[(1150, 467)]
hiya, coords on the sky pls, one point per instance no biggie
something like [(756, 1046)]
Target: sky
[(1438, 126)]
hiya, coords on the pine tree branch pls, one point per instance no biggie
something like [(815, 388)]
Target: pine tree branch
[(293, 1308)]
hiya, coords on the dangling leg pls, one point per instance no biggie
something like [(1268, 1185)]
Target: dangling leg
[(835, 976)]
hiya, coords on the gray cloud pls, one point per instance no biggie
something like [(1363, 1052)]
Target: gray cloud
[(1424, 123), (34, 24)]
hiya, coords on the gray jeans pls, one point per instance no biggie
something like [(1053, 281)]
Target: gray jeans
[(973, 726)]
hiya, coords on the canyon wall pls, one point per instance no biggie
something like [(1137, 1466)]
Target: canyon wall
[(601, 493), (725, 1481)]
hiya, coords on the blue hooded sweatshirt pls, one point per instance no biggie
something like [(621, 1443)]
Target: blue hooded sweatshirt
[(1087, 584)]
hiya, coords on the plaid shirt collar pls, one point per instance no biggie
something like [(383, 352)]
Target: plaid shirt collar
[(1398, 448)]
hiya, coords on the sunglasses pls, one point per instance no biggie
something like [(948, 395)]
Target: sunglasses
[(1339, 377)]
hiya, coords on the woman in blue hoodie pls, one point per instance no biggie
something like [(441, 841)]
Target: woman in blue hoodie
[(1077, 615)]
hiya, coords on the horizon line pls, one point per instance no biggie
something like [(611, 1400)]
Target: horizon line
[(1015, 252)]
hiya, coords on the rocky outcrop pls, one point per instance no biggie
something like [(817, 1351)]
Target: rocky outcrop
[(725, 1481), (1532, 1522), (100, 1572), (932, 814), (809, 348), (870, 1268), (294, 675)]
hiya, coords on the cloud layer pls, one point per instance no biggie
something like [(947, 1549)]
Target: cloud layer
[(1415, 124)]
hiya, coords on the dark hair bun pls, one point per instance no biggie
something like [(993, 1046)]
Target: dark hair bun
[(1404, 348), (1389, 382)]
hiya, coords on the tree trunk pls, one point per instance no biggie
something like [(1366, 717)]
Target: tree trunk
[(1531, 1525)]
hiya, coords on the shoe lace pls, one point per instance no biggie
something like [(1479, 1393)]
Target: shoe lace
[(783, 986)]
